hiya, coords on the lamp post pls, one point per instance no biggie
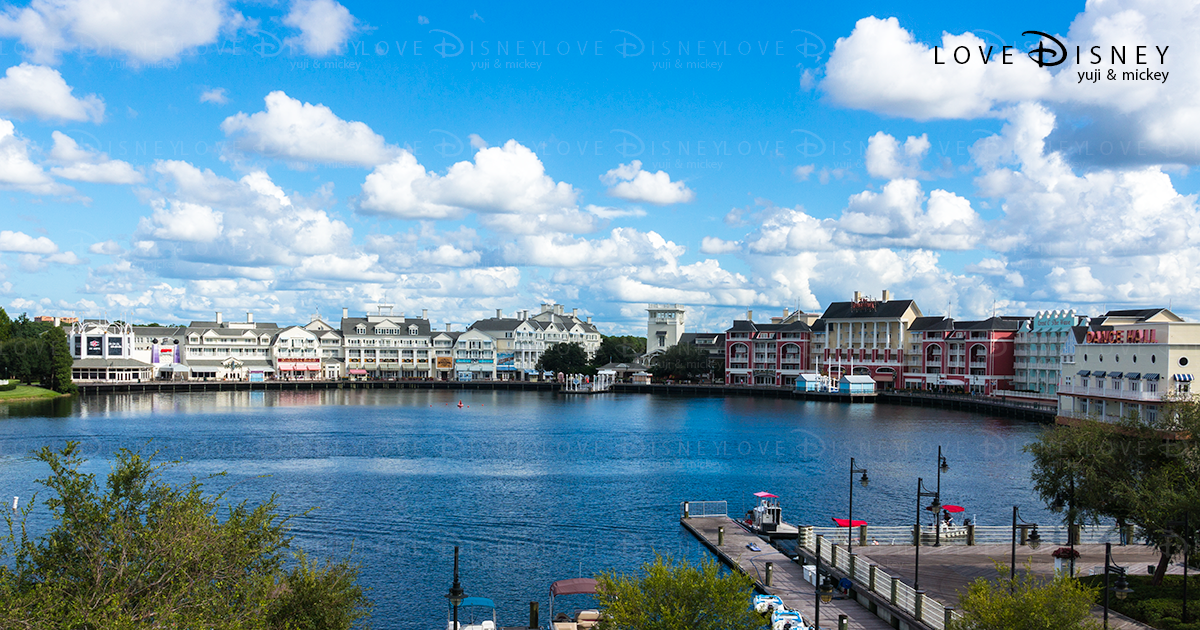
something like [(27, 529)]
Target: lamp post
[(455, 596), (922, 491), (942, 466), (1121, 587), (850, 528), (822, 591), (1186, 542), (1035, 541)]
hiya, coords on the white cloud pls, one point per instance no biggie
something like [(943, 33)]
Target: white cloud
[(624, 246), (451, 256), (143, 30), (354, 268), (884, 157), (184, 221), (477, 142), (802, 173), (608, 212), (324, 26), (714, 245), (106, 248), (880, 67), (11, 241), (85, 165), (630, 182), (501, 180), (216, 95), (894, 217), (17, 170), (66, 258), (42, 92), (291, 130)]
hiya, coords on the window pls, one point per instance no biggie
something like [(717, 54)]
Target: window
[(1099, 383), (1083, 381), (1183, 361)]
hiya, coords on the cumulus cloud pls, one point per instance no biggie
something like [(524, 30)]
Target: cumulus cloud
[(887, 160), (17, 169), (714, 245), (324, 26), (21, 242), (303, 132), (215, 95), (608, 212), (84, 165), (142, 30), (895, 217), (624, 246), (802, 172), (106, 248), (183, 221), (881, 67), (501, 180), (39, 91), (630, 182)]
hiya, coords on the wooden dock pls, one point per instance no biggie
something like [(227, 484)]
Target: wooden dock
[(787, 579)]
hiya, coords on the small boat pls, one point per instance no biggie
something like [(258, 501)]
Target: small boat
[(753, 547), (766, 604), (579, 619), (788, 619), (766, 519), (475, 613)]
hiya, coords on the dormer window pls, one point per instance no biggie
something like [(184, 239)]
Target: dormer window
[(360, 329), (412, 330)]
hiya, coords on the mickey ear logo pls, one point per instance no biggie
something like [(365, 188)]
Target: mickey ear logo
[(1039, 54)]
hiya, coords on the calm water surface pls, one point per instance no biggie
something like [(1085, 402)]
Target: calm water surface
[(533, 487)]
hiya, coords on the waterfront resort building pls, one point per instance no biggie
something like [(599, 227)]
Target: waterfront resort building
[(864, 336), (231, 351), (1127, 363), (102, 351), (162, 348), (296, 351), (384, 345), (333, 364), (766, 354), (1039, 351), (969, 356), (474, 356), (664, 326), (558, 327), (518, 341)]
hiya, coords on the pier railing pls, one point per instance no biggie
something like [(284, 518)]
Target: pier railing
[(977, 535), (701, 509)]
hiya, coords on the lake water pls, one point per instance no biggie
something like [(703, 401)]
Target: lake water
[(532, 486)]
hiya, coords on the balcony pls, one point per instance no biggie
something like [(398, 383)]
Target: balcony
[(1120, 394)]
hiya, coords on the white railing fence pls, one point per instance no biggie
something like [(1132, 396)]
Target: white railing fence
[(701, 509)]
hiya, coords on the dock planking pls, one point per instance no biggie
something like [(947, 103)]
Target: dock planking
[(787, 579)]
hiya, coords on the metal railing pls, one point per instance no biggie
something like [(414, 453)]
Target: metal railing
[(979, 535), (702, 509)]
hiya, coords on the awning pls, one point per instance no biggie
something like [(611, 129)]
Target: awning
[(358, 372), (766, 495), (1151, 377), (1133, 376), (841, 522), (1099, 373), (478, 601), (573, 586), (1116, 374), (1183, 378), (174, 367), (533, 372), (953, 508), (1084, 372)]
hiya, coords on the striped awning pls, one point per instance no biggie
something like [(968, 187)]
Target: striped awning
[(1183, 378), (1099, 373), (1085, 372), (1133, 376), (1115, 374), (1151, 377)]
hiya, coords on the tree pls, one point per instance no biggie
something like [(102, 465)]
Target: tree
[(671, 595), (1137, 471), (25, 328), (141, 553), (20, 359), (682, 361), (1028, 602), (58, 374), (619, 349), (5, 326), (568, 358)]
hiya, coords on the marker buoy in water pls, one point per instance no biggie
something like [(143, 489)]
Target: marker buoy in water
[(460, 404)]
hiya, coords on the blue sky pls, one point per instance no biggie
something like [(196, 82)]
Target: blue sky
[(159, 161)]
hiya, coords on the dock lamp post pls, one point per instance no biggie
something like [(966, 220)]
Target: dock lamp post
[(936, 505), (1120, 588), (942, 467), (1034, 541), (823, 591), (455, 596), (1186, 543), (864, 481)]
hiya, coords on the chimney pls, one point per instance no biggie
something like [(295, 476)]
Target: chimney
[(886, 295), (447, 326), (345, 313), (786, 312), (499, 314), (589, 319), (749, 315), (424, 313), (218, 318), (249, 317), (575, 313), (857, 296)]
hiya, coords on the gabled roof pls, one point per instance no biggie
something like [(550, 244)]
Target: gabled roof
[(881, 310), (705, 339), (991, 323), (743, 325), (159, 331), (932, 323), (500, 324), (349, 324)]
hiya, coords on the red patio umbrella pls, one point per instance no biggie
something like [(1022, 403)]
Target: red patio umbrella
[(953, 509), (841, 522)]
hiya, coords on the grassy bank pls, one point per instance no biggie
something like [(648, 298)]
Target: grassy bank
[(27, 392), (1158, 606)]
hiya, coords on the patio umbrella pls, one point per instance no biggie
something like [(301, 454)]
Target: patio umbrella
[(765, 495), (841, 522), (953, 509)]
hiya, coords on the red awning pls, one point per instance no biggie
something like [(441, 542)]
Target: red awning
[(573, 586), (841, 522), (765, 495), (358, 371), (953, 508)]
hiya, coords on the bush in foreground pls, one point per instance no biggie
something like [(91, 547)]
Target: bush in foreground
[(1027, 602), (141, 553), (670, 595)]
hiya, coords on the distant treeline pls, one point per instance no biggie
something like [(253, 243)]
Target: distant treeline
[(35, 352)]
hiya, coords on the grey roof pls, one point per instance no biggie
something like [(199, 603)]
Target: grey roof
[(225, 325), (159, 331), (498, 324), (96, 363), (709, 338), (631, 366), (742, 325), (991, 323), (566, 321), (350, 323), (937, 322), (891, 308)]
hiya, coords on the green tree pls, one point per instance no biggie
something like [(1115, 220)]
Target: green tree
[(141, 553), (25, 328), (58, 374), (670, 595), (5, 326), (682, 361), (21, 359), (568, 358), (1029, 602), (1137, 471), (621, 349)]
